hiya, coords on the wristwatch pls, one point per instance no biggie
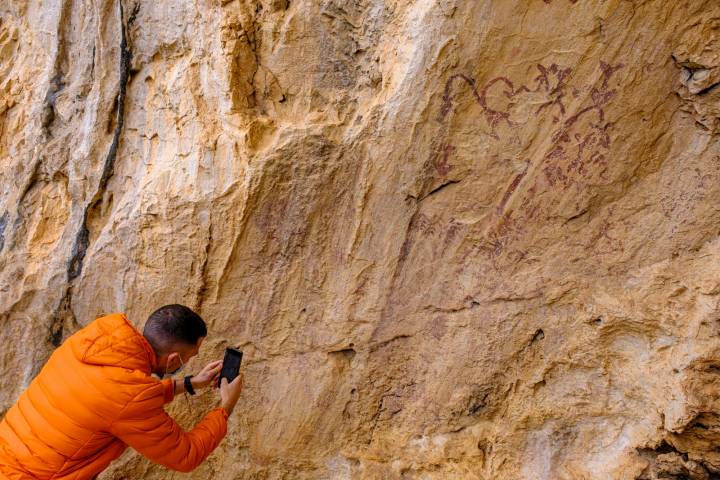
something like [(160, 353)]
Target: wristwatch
[(188, 385)]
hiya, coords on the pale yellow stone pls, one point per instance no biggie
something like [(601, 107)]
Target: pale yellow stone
[(455, 239)]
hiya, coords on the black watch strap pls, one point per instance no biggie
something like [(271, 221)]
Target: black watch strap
[(188, 385)]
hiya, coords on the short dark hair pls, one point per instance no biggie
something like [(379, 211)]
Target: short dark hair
[(171, 325)]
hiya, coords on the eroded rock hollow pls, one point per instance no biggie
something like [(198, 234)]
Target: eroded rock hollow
[(455, 239)]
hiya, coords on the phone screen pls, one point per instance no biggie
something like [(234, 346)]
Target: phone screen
[(231, 365)]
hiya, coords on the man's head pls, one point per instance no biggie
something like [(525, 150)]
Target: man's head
[(175, 332)]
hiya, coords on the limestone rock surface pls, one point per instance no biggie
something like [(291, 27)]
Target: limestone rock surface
[(455, 239)]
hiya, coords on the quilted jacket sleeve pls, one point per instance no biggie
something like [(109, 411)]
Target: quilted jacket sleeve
[(168, 389), (146, 427)]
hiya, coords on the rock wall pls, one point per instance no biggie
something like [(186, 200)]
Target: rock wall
[(455, 239)]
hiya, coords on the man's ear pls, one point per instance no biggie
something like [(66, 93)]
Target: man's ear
[(171, 358)]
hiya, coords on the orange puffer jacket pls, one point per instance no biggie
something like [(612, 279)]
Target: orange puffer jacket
[(92, 399)]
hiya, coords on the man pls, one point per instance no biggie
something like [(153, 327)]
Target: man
[(95, 396)]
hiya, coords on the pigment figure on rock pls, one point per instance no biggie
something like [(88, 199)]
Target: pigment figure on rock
[(95, 396)]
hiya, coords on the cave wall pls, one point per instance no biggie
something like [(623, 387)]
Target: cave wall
[(454, 239)]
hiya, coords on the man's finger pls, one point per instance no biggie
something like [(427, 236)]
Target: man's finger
[(210, 366)]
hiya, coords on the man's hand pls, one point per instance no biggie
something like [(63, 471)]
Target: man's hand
[(207, 376), (230, 392)]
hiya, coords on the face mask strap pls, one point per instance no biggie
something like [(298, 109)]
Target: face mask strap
[(182, 365), (190, 402)]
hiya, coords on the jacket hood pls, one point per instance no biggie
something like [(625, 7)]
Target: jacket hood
[(112, 340)]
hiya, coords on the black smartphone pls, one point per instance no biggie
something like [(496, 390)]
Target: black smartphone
[(231, 365)]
